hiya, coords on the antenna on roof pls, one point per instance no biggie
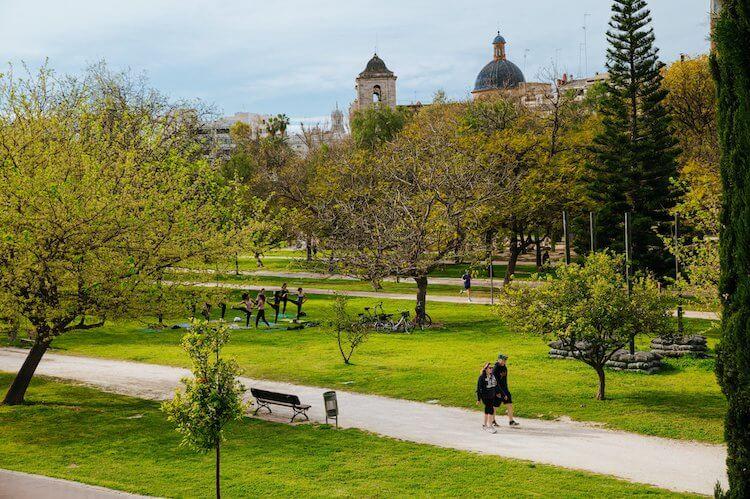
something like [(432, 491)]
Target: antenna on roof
[(586, 41), (525, 55)]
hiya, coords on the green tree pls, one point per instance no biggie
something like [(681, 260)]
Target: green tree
[(350, 332), (692, 103), (374, 126), (402, 209), (102, 187), (547, 149), (635, 152), (588, 308), (732, 74), (212, 397)]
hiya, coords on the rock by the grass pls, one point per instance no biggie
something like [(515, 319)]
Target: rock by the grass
[(622, 360), (680, 346)]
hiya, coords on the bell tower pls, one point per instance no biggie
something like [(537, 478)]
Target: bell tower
[(376, 86)]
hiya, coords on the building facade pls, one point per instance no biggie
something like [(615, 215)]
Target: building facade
[(216, 134), (580, 86)]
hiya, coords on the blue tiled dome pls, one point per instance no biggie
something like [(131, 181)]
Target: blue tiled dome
[(499, 75)]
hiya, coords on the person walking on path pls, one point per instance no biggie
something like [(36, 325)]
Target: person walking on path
[(284, 296), (500, 372), (487, 394), (261, 304), (467, 283)]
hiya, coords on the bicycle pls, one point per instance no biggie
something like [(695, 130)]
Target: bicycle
[(404, 325)]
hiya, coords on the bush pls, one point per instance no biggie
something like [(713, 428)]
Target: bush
[(588, 309)]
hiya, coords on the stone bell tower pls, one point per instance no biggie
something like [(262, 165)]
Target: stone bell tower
[(376, 86)]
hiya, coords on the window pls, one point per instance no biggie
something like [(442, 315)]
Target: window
[(376, 93)]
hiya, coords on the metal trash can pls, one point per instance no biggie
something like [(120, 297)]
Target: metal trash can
[(331, 407)]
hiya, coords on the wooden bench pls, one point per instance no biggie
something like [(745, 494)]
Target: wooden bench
[(265, 399)]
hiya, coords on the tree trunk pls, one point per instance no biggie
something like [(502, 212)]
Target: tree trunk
[(632, 345), (236, 264), (258, 261), (20, 384), (600, 395), (421, 294), (218, 470), (308, 247), (513, 260)]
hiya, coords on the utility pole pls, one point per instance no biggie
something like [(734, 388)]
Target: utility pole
[(628, 258), (580, 60), (680, 322), (586, 42), (566, 236), (492, 283), (525, 55)]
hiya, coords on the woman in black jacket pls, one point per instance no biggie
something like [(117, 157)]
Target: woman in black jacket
[(487, 393)]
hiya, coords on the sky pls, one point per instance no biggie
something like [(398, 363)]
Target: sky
[(301, 57)]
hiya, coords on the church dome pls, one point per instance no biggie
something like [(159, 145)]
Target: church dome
[(376, 66), (499, 75)]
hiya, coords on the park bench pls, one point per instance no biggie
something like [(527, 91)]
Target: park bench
[(264, 398)]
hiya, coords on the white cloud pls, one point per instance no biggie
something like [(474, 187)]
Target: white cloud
[(300, 57)]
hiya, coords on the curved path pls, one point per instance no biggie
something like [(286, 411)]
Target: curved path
[(670, 464), (16, 485)]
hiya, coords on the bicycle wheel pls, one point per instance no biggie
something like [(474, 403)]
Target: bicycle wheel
[(425, 322)]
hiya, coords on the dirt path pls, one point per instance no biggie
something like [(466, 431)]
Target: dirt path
[(15, 485), (670, 464)]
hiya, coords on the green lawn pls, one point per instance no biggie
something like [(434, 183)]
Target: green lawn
[(89, 436), (684, 401)]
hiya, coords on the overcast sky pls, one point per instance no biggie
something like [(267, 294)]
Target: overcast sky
[(301, 57)]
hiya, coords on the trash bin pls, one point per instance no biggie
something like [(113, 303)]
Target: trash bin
[(331, 406)]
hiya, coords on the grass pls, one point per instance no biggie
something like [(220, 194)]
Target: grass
[(684, 401), (124, 443)]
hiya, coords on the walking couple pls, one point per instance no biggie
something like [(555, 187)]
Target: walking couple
[(492, 391)]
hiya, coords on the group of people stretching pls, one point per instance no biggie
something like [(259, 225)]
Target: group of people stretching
[(492, 391), (278, 304)]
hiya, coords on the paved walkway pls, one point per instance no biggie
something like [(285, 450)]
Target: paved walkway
[(15, 485), (671, 464), (378, 295)]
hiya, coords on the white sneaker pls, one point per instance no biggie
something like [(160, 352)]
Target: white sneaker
[(491, 429)]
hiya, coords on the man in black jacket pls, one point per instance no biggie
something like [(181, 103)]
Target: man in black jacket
[(503, 394)]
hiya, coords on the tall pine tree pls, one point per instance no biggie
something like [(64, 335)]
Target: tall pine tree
[(731, 66), (635, 152)]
